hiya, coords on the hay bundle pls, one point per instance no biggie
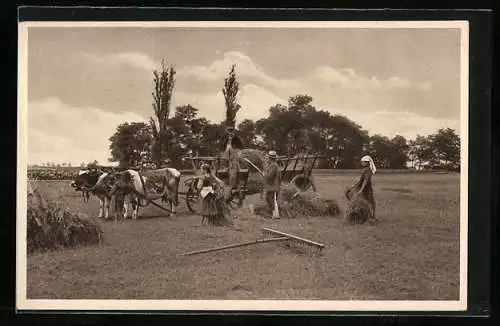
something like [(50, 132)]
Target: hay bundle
[(255, 183), (307, 203), (358, 211), (52, 226), (302, 204), (257, 157)]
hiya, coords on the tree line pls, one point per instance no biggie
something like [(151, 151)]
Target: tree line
[(297, 127)]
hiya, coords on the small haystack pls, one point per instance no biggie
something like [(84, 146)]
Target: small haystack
[(294, 204), (52, 226), (222, 207), (359, 210)]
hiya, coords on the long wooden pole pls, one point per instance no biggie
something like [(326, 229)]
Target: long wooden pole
[(235, 246)]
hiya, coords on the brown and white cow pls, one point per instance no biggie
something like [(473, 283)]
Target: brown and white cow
[(145, 185), (98, 183)]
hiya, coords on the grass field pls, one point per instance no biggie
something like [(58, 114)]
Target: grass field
[(411, 254)]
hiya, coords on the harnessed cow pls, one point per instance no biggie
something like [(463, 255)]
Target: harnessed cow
[(96, 182), (145, 186)]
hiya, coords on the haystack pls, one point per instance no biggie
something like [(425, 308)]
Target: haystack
[(223, 209), (359, 210), (52, 226), (294, 204), (257, 157)]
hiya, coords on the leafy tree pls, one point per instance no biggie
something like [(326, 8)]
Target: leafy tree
[(212, 140), (164, 81), (380, 150), (446, 145), (421, 151), (285, 129), (300, 128), (347, 140), (273, 131), (129, 142), (248, 132), (230, 91), (301, 104), (399, 153), (185, 133)]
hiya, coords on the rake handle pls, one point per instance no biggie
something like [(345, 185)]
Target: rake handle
[(235, 246)]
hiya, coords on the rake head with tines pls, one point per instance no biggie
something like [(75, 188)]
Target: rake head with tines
[(309, 246)]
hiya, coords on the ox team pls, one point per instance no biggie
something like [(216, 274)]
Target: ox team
[(102, 185)]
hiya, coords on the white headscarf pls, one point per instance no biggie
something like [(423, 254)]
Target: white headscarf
[(367, 158)]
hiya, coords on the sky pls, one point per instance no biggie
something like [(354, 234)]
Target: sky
[(83, 82)]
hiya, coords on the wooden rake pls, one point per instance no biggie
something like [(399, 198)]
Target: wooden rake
[(308, 246)]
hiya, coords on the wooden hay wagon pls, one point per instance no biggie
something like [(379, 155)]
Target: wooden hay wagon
[(297, 170)]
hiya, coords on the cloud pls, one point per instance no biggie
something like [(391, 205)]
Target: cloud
[(255, 102), (350, 79), (380, 105), (322, 76), (133, 59), (211, 106), (330, 87), (407, 124), (219, 69), (58, 132)]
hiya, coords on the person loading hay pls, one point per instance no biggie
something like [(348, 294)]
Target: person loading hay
[(363, 188), (272, 179), (210, 188)]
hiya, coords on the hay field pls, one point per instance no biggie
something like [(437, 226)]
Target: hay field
[(412, 254)]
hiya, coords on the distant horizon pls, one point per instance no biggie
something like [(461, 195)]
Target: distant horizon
[(83, 83)]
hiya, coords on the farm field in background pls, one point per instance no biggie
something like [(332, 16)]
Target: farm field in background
[(411, 254)]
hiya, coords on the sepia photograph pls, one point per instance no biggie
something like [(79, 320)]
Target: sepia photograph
[(242, 165)]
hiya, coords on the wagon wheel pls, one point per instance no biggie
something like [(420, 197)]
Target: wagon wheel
[(303, 182), (191, 199)]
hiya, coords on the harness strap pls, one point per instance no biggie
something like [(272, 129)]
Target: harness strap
[(142, 182), (148, 201), (143, 189)]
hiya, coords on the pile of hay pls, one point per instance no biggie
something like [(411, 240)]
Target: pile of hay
[(257, 157), (52, 226), (358, 211), (304, 204)]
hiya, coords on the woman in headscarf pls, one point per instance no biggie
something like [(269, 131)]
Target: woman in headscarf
[(209, 186), (364, 186)]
